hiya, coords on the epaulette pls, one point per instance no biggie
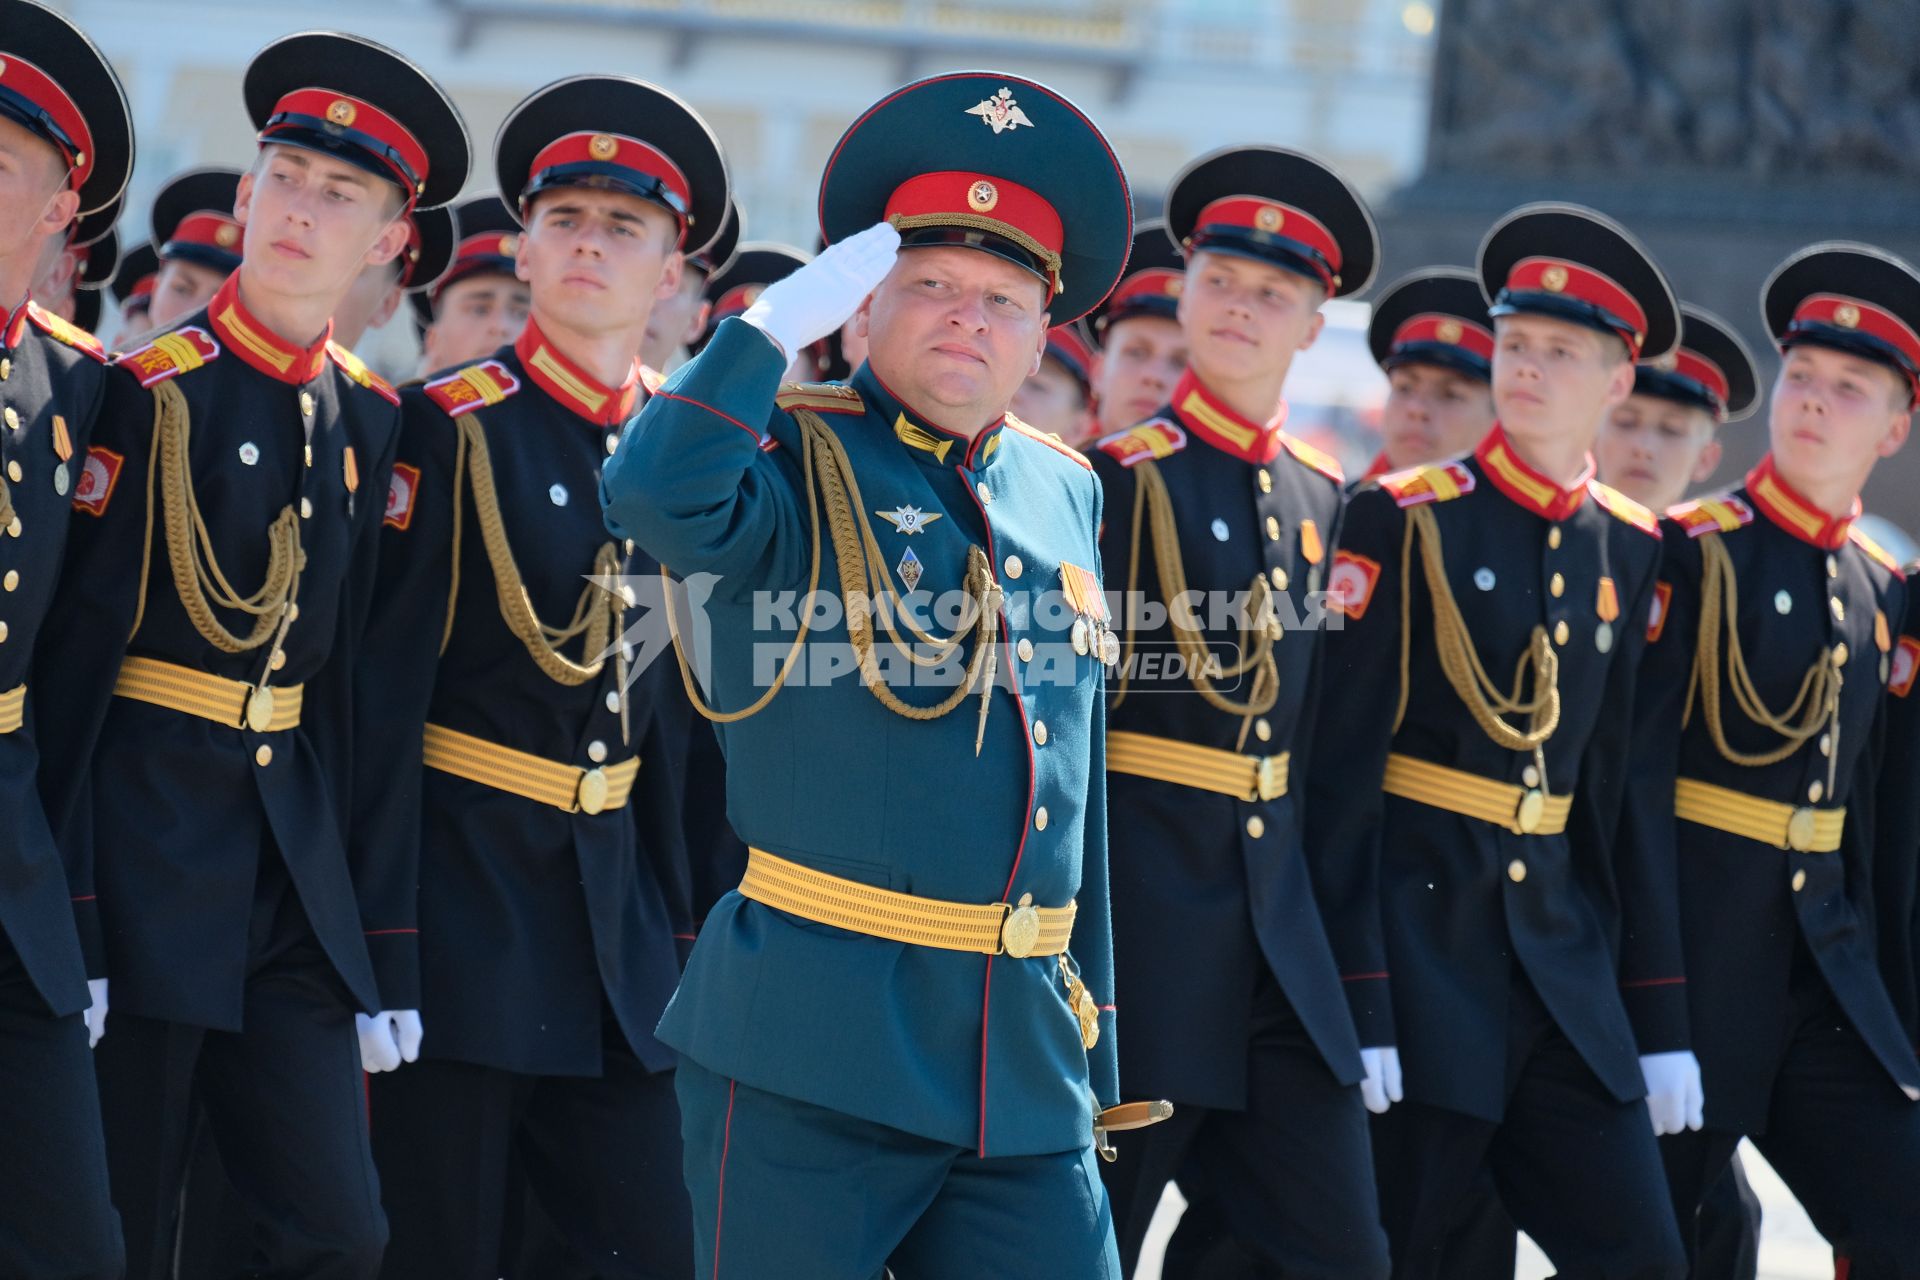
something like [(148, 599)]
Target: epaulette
[(1325, 463), (1050, 440), (63, 330), (474, 387), (1722, 513), (1641, 518), (1875, 551), (171, 354), (1156, 438), (356, 368), (1435, 482), (820, 397)]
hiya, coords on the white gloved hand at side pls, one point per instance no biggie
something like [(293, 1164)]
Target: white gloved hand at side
[(388, 1038), (1675, 1097), (817, 299), (1382, 1088)]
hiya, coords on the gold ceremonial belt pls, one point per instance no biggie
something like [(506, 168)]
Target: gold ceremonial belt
[(234, 703), (13, 709), (1227, 773), (997, 928), (566, 787), (1784, 826), (1525, 811)]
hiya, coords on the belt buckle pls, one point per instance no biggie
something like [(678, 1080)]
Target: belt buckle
[(1020, 928), (1268, 784), (1527, 814), (1800, 830), (260, 709), (591, 795)]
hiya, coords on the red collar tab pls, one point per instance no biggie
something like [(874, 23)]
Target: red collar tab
[(357, 122), (1860, 319), (1526, 486), (981, 202), (1203, 414), (1447, 330), (245, 336), (1378, 467), (209, 230), (1617, 307), (1144, 286), (633, 165), (56, 117), (579, 391), (13, 324), (1270, 217), (1778, 502)]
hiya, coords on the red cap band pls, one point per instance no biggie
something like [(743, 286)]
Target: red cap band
[(1841, 312), (1154, 282), (1583, 284), (1276, 219), (1019, 213), (401, 153), (17, 75), (621, 152), (214, 230), (1449, 330), (1691, 364)]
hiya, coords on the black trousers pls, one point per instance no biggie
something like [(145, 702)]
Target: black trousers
[(600, 1155), (1289, 1181), (1729, 1228), (1578, 1171), (283, 1100), (56, 1219)]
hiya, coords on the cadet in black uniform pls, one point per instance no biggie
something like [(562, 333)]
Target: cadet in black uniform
[(477, 305), (198, 241), (536, 944), (133, 289), (1142, 348), (220, 566), (1469, 789), (680, 319), (1231, 988), (68, 146), (1777, 642)]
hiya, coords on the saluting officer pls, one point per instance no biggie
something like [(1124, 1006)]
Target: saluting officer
[(1233, 997), (532, 926), (67, 140), (897, 1035), (1497, 918), (201, 670), (1777, 641)]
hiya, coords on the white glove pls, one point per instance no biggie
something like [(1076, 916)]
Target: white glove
[(388, 1038), (96, 1014), (1381, 1089), (1675, 1097), (817, 299)]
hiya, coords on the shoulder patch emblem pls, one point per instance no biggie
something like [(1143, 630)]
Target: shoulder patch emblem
[(356, 368), (819, 397), (1722, 513), (401, 491), (1350, 584), (1904, 665), (474, 387), (1156, 438), (1325, 463), (1875, 551), (1439, 482), (63, 330), (1657, 610), (99, 473), (169, 355), (1641, 518), (1050, 440)]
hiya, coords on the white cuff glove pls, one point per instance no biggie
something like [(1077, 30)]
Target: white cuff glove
[(388, 1038), (1381, 1089), (817, 299), (96, 1014), (1675, 1097)]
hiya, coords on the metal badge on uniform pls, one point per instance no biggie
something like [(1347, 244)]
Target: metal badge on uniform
[(1090, 634), (350, 468), (910, 570), (249, 453), (62, 449), (1607, 605), (1483, 578), (558, 493), (1310, 544), (1882, 635), (908, 519), (1220, 530), (1782, 602)]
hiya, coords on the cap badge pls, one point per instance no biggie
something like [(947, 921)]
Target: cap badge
[(342, 112), (509, 246), (225, 234), (1447, 331), (1553, 279), (603, 147), (1174, 285), (983, 195), (1001, 112), (1846, 315), (1268, 218)]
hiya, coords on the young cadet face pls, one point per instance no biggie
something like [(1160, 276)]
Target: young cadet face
[(1834, 415), (1245, 318), (311, 222), (597, 261), (676, 320), (476, 316), (1052, 400), (1144, 357), (1553, 381), (181, 289), (1652, 449), (955, 332), (1432, 413), (35, 202)]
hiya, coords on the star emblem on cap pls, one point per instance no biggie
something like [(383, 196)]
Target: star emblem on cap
[(1447, 331), (509, 246), (1173, 285), (603, 147), (224, 236), (1554, 279), (342, 112), (1846, 315), (1268, 219), (1000, 112), (983, 196)]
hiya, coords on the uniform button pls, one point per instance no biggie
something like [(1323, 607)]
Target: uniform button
[(1256, 826), (306, 508), (1557, 585), (1279, 579), (1024, 649), (3, 633), (1014, 567), (1560, 632), (13, 419), (1815, 791), (1040, 818), (12, 580), (1516, 871), (1273, 528), (15, 528), (1553, 538), (293, 613), (264, 756), (596, 751), (1833, 567), (1530, 776), (279, 659), (1039, 733), (1799, 880), (613, 445), (986, 494), (1826, 744), (14, 473), (309, 455), (1839, 609), (1266, 480), (1840, 653), (6, 368), (613, 701), (1262, 730), (306, 403)]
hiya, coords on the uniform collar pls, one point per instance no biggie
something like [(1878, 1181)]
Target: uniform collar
[(576, 389), (1207, 416), (1378, 467), (1526, 486), (1779, 503), (13, 324), (246, 336), (933, 445)]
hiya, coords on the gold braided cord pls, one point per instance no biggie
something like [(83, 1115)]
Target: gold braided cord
[(197, 576), (596, 615), (1815, 704), (1153, 506), (828, 480), (1461, 662)]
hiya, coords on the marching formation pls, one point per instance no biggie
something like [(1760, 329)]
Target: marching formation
[(552, 820)]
